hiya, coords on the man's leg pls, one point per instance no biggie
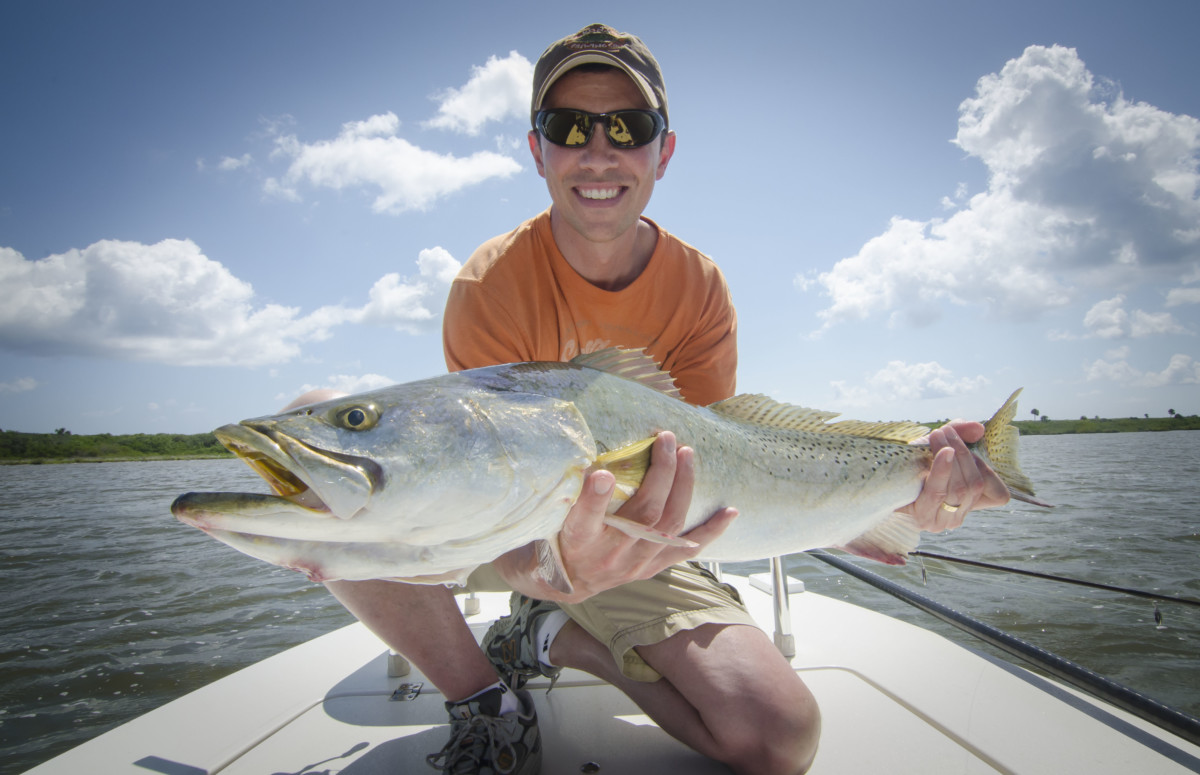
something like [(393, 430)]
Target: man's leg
[(761, 716), (725, 691), (684, 648), (425, 625)]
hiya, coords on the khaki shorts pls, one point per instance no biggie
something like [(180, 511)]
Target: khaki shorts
[(643, 613)]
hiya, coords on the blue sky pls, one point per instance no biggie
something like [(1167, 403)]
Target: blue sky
[(207, 208)]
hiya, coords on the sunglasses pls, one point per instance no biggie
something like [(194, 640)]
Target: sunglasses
[(624, 128)]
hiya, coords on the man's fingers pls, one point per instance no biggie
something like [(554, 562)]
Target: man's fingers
[(646, 505), (711, 529), (585, 520), (674, 511)]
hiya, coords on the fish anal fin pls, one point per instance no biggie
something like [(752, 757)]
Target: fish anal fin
[(888, 542), (638, 530), (635, 365), (550, 567), (766, 411), (457, 578)]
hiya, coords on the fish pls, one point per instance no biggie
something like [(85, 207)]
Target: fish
[(425, 481)]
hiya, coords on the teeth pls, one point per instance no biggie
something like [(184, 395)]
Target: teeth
[(599, 193)]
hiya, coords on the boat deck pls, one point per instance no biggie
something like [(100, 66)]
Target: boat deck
[(894, 698)]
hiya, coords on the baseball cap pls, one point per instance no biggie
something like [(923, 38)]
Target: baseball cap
[(599, 43)]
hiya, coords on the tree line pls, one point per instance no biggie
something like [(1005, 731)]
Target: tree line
[(63, 446)]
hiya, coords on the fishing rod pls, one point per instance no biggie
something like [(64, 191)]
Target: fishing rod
[(1056, 577), (1147, 708)]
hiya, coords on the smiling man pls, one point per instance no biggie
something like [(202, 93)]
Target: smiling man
[(592, 272)]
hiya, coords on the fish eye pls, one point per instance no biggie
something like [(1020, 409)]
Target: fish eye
[(358, 418)]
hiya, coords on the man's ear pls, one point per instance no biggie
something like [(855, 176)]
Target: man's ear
[(535, 148), (665, 154)]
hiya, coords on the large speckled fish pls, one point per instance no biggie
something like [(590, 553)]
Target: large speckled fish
[(425, 481)]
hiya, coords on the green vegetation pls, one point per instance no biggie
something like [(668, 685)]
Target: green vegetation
[(64, 447), (1047, 427)]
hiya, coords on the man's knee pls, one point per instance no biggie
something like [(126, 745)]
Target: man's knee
[(781, 739)]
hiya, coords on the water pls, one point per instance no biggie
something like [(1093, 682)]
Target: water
[(109, 607)]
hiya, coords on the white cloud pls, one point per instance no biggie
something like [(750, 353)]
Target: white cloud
[(1178, 296), (369, 154), (401, 302), (229, 163), (348, 383), (1180, 370), (19, 385), (1109, 320), (1085, 188), (169, 303), (907, 381), (497, 91)]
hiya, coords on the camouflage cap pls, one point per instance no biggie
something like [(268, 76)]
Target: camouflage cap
[(599, 43)]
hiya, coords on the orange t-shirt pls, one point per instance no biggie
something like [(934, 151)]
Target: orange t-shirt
[(517, 299)]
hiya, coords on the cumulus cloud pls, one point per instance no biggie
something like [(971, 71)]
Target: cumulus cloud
[(907, 381), (1181, 369), (169, 303), (1086, 189), (369, 154), (497, 91), (1108, 319), (402, 303), (229, 163), (345, 383)]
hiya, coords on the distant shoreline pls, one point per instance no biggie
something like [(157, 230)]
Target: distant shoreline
[(17, 448)]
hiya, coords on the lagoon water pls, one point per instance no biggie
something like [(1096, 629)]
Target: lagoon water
[(109, 607)]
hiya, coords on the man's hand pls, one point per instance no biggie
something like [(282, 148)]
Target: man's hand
[(598, 557), (957, 482)]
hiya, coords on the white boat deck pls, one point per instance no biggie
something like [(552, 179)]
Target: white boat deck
[(894, 698)]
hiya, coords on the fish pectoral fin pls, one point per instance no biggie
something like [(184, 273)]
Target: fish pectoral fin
[(638, 530), (550, 567), (888, 542), (628, 465)]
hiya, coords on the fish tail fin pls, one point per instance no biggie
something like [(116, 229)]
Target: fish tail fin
[(998, 448)]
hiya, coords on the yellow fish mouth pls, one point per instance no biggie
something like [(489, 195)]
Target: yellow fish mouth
[(310, 477)]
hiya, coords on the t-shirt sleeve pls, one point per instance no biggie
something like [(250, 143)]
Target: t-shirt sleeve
[(477, 331)]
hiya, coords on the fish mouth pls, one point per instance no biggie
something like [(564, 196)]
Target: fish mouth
[(315, 479)]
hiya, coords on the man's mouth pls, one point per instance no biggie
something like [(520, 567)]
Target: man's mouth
[(609, 192)]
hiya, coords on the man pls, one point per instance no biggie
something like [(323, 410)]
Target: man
[(588, 273)]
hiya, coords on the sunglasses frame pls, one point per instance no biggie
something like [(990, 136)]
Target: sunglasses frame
[(660, 125)]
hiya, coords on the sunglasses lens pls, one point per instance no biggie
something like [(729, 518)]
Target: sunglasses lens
[(625, 128), (632, 128), (566, 127)]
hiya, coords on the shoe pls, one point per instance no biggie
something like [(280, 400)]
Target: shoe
[(509, 642), (484, 742)]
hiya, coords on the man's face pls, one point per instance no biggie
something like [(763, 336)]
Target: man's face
[(599, 191)]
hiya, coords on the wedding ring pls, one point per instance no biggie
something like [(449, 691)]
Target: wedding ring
[(949, 508)]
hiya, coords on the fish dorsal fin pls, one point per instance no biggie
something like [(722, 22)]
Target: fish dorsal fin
[(633, 365), (762, 410)]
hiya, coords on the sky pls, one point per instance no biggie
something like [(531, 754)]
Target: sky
[(208, 208)]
